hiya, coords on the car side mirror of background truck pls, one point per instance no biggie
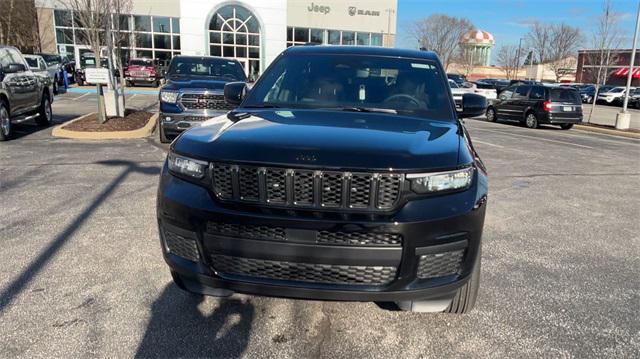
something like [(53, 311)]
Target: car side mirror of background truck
[(234, 92), (472, 105), (14, 68)]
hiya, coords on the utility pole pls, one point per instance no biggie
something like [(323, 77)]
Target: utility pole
[(518, 58), (623, 118)]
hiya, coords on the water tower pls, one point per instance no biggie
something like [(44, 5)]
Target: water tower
[(479, 44)]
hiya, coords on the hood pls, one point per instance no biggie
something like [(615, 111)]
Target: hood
[(179, 82), (326, 139)]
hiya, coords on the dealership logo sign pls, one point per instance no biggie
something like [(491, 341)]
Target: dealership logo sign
[(353, 11), (323, 9)]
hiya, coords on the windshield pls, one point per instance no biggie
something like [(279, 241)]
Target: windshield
[(564, 95), (207, 66), (141, 63), (412, 86), (32, 61), (51, 59), (453, 84), (616, 90), (90, 61)]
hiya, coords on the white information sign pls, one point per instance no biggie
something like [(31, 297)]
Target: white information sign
[(97, 75)]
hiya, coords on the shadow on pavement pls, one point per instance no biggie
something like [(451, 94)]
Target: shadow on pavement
[(17, 285), (178, 327), (27, 128)]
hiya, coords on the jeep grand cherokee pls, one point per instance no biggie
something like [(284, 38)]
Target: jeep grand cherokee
[(344, 174)]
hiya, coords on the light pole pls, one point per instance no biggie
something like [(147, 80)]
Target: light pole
[(623, 118), (518, 57)]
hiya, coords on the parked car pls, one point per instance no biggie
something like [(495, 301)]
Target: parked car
[(459, 79), (62, 63), (486, 90), (24, 95), (39, 66), (612, 96), (193, 92), (143, 71), (344, 174), (457, 92), (634, 98), (532, 105), (587, 93)]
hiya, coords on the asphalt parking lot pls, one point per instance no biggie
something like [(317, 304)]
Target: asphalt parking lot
[(83, 272)]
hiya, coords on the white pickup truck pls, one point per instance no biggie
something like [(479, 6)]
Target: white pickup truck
[(458, 91)]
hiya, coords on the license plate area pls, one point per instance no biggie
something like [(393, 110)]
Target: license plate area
[(567, 108)]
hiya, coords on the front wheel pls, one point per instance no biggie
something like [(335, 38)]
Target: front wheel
[(45, 115), (5, 122), (566, 126), (531, 121), (491, 115), (55, 86), (162, 135)]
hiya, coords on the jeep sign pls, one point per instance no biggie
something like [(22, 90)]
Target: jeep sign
[(323, 9)]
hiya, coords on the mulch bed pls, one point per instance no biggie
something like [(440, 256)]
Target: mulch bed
[(133, 120)]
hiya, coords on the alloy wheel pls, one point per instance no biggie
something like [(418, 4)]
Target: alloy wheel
[(47, 111), (531, 120), (5, 124)]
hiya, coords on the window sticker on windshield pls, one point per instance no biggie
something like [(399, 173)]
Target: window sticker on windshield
[(362, 95), (287, 114), (420, 66), (231, 62)]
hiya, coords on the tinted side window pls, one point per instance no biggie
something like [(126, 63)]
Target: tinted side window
[(507, 93), (521, 92), (537, 93), (4, 58)]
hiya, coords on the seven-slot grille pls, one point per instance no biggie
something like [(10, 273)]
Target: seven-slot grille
[(202, 101), (306, 188)]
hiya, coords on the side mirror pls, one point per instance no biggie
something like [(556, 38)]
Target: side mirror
[(472, 105), (1, 72), (13, 68), (234, 92)]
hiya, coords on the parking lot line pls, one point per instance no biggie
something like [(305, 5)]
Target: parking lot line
[(535, 138), (81, 96)]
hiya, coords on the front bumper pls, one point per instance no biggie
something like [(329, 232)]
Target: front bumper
[(298, 266), (175, 123)]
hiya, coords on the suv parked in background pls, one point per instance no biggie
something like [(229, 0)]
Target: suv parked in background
[(143, 71), (193, 92), (459, 79), (344, 174), (24, 95), (613, 95), (38, 65), (88, 59), (536, 104)]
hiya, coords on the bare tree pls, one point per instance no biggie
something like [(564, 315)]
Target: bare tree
[(507, 58), (18, 24), (121, 9), (562, 49), (440, 33), (606, 36), (539, 38), (466, 60)]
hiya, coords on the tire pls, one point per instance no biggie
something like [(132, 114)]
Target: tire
[(45, 115), (129, 83), (465, 298), (155, 83), (162, 135), (462, 301), (55, 85), (566, 126), (530, 120), (5, 122), (491, 114)]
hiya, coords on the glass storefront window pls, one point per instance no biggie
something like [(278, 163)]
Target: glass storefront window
[(143, 40), (162, 41), (176, 42), (62, 18), (348, 38), (161, 24), (142, 23), (362, 38), (317, 36), (334, 37), (175, 25), (64, 36), (301, 35), (376, 39), (124, 22)]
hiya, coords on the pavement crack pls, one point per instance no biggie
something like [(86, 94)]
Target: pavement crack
[(324, 332)]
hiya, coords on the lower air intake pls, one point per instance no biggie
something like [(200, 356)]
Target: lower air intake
[(435, 265), (181, 246)]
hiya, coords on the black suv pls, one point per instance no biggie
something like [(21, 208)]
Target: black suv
[(194, 92), (344, 174), (532, 105)]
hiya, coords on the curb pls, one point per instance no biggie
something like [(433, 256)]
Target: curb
[(608, 131), (142, 132)]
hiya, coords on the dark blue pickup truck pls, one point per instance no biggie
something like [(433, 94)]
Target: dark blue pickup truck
[(194, 92)]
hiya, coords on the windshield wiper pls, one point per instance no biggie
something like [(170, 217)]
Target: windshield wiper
[(364, 109)]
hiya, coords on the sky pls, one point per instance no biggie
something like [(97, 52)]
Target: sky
[(508, 20)]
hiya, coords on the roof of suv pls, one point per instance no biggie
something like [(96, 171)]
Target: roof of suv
[(361, 50)]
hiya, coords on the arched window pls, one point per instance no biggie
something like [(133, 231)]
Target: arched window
[(234, 32)]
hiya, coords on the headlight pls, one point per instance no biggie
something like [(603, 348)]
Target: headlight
[(186, 166), (168, 96), (440, 181)]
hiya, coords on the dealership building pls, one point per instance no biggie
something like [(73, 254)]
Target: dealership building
[(252, 31)]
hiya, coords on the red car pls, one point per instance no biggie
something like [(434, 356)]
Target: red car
[(143, 71)]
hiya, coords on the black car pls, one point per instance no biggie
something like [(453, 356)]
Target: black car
[(344, 174), (459, 79), (536, 104), (634, 98), (193, 92)]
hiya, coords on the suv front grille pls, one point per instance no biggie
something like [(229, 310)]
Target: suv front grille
[(273, 233), (306, 188), (303, 272), (201, 101)]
